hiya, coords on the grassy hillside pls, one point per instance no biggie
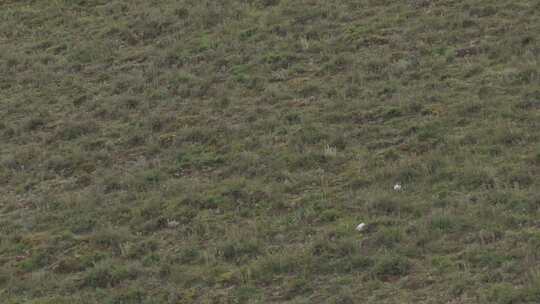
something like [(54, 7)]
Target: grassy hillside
[(201, 151)]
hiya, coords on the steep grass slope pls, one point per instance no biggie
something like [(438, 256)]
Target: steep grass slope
[(200, 151)]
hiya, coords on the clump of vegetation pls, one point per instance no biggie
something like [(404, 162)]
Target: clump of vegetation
[(183, 151)]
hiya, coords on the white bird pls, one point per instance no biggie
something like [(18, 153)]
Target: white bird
[(360, 227), (397, 187)]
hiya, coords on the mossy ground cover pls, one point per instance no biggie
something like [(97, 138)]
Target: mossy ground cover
[(181, 151)]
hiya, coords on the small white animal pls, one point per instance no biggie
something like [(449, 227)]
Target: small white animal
[(397, 187), (361, 227)]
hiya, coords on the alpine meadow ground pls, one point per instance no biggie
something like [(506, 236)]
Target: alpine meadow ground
[(200, 151)]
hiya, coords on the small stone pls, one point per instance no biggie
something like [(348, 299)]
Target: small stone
[(172, 224)]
